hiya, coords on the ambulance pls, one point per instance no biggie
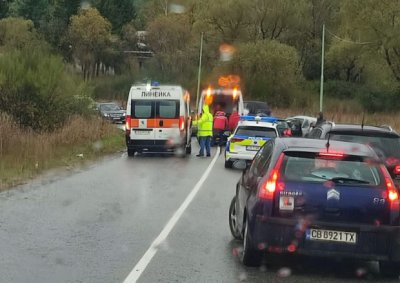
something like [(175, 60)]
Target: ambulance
[(228, 100), (158, 119)]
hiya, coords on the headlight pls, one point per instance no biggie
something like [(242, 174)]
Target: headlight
[(106, 114), (123, 114)]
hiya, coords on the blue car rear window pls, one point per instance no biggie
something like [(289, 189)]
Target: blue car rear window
[(314, 169)]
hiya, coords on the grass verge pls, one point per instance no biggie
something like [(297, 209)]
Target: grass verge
[(25, 154)]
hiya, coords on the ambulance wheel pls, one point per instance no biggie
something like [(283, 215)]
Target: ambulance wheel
[(131, 152), (228, 164), (189, 149)]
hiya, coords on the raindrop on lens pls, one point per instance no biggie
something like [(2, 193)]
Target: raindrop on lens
[(284, 272)]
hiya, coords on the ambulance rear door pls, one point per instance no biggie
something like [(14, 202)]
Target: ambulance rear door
[(143, 120), (167, 121)]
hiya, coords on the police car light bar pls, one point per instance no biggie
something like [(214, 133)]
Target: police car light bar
[(259, 118)]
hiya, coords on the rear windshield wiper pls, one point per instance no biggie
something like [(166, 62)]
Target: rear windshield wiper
[(343, 180)]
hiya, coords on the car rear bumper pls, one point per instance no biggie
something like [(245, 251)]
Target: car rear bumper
[(151, 145), (232, 156), (289, 236)]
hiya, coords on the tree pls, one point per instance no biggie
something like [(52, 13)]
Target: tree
[(118, 12), (55, 24), (269, 71), (4, 8), (377, 23), (175, 52), (89, 35), (16, 33), (228, 18), (344, 61), (35, 10)]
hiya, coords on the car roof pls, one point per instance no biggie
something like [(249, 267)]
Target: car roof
[(302, 117), (257, 124), (255, 102), (359, 128), (318, 145)]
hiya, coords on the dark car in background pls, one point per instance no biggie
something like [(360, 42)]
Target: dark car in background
[(111, 111), (383, 140), (257, 107), (314, 198)]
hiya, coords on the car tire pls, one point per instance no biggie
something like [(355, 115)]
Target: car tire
[(233, 220), (389, 268), (228, 164), (131, 152), (249, 255)]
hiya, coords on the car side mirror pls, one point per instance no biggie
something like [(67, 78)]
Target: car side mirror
[(312, 125)]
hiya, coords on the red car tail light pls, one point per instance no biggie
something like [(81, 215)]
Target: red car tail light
[(392, 192), (270, 185), (396, 170)]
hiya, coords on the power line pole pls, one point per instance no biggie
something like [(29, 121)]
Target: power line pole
[(199, 72), (321, 91)]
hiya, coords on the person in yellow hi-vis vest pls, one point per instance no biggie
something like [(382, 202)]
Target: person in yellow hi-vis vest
[(205, 131)]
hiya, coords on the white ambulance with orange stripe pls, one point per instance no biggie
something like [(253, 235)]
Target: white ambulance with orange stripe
[(158, 119)]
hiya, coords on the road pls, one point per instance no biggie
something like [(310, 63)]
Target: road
[(98, 223)]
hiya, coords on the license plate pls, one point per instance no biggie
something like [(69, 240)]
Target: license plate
[(252, 148), (142, 132), (331, 236)]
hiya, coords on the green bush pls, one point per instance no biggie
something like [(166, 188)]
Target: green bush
[(112, 87), (379, 101), (36, 90), (342, 89)]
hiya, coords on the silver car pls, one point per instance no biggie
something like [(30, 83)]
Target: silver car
[(307, 123)]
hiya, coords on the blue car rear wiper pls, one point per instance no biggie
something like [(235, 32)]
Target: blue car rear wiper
[(343, 180)]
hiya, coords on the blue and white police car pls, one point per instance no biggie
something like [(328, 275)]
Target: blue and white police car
[(249, 136)]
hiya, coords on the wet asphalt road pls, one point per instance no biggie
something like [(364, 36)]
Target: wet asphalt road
[(95, 224)]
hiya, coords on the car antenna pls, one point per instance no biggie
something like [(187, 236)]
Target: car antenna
[(327, 143), (362, 122)]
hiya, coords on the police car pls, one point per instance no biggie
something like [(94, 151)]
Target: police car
[(250, 134)]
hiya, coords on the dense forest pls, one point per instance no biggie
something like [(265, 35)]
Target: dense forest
[(58, 54)]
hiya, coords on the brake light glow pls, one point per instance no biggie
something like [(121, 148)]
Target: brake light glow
[(270, 185), (396, 170), (331, 155), (392, 193), (234, 93), (127, 124), (181, 123), (209, 91)]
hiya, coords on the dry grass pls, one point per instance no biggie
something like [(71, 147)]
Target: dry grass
[(24, 153)]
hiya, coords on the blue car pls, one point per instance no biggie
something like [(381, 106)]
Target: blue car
[(317, 198)]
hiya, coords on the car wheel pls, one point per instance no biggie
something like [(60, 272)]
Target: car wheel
[(389, 268), (131, 152), (228, 164), (250, 256), (233, 220)]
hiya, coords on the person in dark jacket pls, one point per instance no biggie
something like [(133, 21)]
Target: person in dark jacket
[(320, 119)]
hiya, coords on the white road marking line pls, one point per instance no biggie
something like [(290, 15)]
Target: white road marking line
[(147, 257)]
